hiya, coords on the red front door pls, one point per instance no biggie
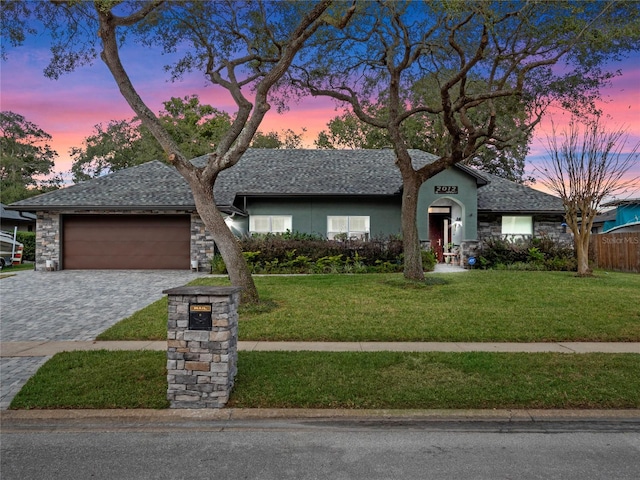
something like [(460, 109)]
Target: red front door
[(436, 233)]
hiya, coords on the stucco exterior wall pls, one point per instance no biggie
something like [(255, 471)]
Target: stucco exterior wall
[(310, 214), (466, 197)]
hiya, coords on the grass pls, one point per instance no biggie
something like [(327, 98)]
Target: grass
[(436, 380), (97, 379), (389, 380), (150, 323), (474, 306), (481, 306), (9, 270)]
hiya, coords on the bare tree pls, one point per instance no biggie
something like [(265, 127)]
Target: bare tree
[(583, 167)]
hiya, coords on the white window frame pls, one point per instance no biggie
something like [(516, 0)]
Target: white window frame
[(272, 223), (352, 229), (517, 227)]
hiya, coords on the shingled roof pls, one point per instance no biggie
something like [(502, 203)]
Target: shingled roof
[(150, 185), (501, 195), (16, 216), (267, 172), (314, 172)]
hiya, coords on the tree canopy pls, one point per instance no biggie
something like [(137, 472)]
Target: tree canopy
[(196, 128), (25, 157), (245, 47), (468, 78)]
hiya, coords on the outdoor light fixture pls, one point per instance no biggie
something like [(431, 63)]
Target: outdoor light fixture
[(230, 222), (457, 223)]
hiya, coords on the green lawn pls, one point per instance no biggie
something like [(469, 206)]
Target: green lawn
[(389, 380), (480, 306), (9, 270), (97, 379), (472, 306)]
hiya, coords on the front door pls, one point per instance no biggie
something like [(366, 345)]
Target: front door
[(436, 233)]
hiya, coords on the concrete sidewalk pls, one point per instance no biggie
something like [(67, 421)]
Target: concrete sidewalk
[(48, 348)]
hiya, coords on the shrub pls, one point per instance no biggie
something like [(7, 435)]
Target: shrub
[(562, 264), (304, 253), (428, 260), (522, 266), (28, 239), (535, 256), (539, 253), (217, 265)]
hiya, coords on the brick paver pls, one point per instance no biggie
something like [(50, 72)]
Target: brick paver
[(70, 305)]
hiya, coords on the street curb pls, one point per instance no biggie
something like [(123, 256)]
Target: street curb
[(230, 414)]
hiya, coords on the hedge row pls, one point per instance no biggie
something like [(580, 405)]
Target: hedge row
[(301, 253)]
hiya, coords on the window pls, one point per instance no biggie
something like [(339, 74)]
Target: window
[(270, 223), (446, 210), (353, 227), (517, 227)]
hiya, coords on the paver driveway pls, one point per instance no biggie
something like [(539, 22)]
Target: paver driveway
[(70, 305), (77, 304)]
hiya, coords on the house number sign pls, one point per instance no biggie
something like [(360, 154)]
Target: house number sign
[(446, 189)]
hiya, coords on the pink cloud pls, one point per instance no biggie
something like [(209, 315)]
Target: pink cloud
[(70, 107), (621, 109)]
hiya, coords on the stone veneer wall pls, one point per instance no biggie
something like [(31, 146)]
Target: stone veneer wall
[(468, 248), (490, 226), (202, 364), (47, 239), (202, 244), (49, 236)]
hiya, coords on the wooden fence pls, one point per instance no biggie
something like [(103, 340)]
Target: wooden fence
[(617, 251)]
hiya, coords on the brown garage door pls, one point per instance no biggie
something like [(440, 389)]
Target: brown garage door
[(126, 242)]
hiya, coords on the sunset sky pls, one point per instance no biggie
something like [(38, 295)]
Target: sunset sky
[(69, 108)]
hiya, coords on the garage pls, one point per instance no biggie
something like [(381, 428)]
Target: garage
[(119, 242)]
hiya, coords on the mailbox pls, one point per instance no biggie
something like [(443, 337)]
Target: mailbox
[(200, 316)]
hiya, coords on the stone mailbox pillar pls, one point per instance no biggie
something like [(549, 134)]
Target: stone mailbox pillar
[(202, 345)]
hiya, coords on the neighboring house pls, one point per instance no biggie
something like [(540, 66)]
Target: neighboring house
[(601, 219), (144, 216), (10, 220), (625, 217)]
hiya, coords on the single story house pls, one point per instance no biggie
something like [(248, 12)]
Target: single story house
[(10, 220), (144, 217)]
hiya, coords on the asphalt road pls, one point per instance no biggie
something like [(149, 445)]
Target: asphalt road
[(319, 449)]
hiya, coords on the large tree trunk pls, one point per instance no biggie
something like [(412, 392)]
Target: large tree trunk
[(411, 241), (226, 242)]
